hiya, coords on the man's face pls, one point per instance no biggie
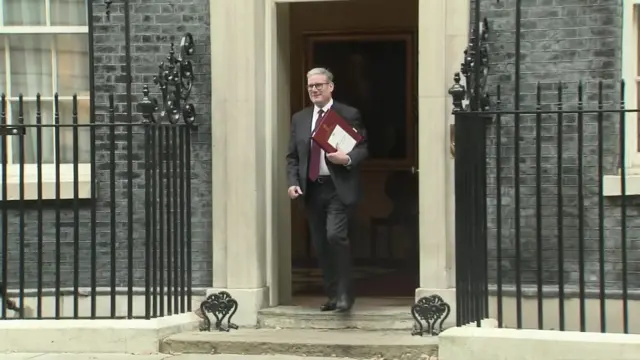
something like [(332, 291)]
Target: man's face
[(319, 89)]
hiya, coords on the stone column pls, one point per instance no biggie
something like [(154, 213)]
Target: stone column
[(278, 115), (442, 37), (239, 153)]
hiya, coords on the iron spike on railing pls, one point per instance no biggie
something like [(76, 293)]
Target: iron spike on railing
[(175, 81), (457, 92), (107, 5), (475, 69), (147, 106)]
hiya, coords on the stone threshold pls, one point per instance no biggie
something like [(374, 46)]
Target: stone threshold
[(374, 318)]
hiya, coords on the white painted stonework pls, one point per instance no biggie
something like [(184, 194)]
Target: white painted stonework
[(91, 336), (509, 344)]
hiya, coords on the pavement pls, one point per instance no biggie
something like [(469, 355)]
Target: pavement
[(63, 356)]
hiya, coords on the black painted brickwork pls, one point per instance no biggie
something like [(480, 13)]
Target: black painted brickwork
[(154, 24)]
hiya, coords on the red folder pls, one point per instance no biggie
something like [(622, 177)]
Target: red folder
[(335, 133)]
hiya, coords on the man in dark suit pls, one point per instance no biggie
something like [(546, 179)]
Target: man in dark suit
[(329, 185)]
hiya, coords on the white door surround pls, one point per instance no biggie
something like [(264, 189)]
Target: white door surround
[(250, 130)]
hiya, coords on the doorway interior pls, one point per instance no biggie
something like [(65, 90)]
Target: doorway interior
[(371, 48)]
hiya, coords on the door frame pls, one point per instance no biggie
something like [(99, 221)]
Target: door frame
[(251, 215)]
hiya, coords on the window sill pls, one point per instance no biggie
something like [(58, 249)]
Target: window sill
[(30, 185), (612, 187)]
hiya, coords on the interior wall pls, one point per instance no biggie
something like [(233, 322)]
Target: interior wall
[(354, 15)]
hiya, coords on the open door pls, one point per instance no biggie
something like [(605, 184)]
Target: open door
[(376, 73)]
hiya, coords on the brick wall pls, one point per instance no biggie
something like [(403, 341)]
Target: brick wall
[(154, 24), (568, 41)]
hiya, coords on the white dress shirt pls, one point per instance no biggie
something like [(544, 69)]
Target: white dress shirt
[(324, 170)]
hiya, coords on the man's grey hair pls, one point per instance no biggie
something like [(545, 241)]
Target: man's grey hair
[(320, 71)]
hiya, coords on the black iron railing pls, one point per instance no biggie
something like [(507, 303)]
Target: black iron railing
[(534, 218), (546, 234), (100, 235)]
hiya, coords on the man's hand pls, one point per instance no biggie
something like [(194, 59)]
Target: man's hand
[(338, 158), (294, 192)]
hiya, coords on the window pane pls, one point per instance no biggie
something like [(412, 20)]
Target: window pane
[(30, 140), (68, 12), (73, 64), (66, 135), (2, 148), (637, 16), (638, 113), (31, 70), (3, 67), (24, 12)]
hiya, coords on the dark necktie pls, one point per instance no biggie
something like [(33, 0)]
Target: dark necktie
[(316, 153)]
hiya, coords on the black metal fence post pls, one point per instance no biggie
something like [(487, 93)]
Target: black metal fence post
[(166, 149), (623, 207), (560, 205), (76, 209), (39, 205), (112, 207), (5, 221), (470, 213), (181, 208), (21, 209), (187, 208), (148, 258), (58, 206)]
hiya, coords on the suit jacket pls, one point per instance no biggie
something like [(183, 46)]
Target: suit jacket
[(345, 178)]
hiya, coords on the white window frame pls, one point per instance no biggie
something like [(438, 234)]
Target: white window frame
[(30, 183), (631, 76)]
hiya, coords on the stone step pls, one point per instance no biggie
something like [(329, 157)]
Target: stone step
[(367, 314), (99, 356), (360, 317), (355, 344)]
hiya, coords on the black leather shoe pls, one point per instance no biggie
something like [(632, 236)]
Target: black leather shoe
[(328, 306)]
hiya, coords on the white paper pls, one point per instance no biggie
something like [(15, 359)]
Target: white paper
[(341, 140)]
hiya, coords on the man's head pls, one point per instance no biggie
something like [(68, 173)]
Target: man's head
[(320, 86)]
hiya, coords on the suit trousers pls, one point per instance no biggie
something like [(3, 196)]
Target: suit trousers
[(329, 230)]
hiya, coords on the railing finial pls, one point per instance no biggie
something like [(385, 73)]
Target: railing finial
[(147, 106), (457, 92), (175, 81), (475, 69)]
